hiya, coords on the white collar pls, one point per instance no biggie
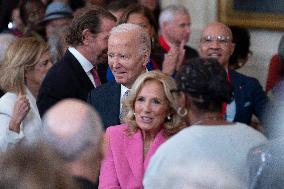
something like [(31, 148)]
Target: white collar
[(85, 63), (123, 90)]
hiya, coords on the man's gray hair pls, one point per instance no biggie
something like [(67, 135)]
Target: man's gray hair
[(169, 12), (5, 40), (71, 146), (142, 36)]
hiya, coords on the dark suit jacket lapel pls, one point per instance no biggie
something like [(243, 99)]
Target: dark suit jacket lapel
[(109, 105), (238, 92), (102, 70), (115, 98), (79, 72)]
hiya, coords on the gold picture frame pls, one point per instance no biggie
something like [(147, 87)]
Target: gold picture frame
[(250, 19)]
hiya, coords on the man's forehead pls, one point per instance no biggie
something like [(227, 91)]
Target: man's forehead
[(123, 38), (217, 30)]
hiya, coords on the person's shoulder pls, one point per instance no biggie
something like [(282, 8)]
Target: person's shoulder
[(7, 101), (191, 51), (116, 129), (9, 96), (239, 77), (106, 88), (248, 131), (116, 133)]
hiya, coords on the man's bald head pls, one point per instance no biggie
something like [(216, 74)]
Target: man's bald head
[(220, 27), (216, 42), (72, 126)]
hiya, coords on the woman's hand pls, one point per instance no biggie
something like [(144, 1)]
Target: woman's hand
[(21, 109)]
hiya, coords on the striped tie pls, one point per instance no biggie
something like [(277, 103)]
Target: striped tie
[(123, 110)]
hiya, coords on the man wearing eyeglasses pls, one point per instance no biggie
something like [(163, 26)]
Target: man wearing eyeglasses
[(249, 97)]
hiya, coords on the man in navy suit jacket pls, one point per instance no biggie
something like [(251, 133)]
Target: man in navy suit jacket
[(129, 49), (72, 77), (249, 97)]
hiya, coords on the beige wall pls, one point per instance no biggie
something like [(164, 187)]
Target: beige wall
[(264, 43)]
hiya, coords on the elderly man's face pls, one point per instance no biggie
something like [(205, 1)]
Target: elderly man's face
[(216, 42), (178, 29), (126, 60)]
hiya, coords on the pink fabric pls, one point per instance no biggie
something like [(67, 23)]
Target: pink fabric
[(123, 165)]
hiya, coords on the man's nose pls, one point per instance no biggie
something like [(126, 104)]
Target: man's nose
[(188, 30), (215, 44), (115, 62)]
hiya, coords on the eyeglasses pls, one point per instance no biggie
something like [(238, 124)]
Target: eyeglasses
[(220, 39)]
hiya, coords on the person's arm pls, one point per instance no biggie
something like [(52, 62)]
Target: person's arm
[(12, 115), (108, 176), (20, 110)]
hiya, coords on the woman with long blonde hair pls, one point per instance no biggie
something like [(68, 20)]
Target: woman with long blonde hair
[(25, 65)]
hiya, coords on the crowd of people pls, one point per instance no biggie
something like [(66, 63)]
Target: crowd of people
[(107, 94)]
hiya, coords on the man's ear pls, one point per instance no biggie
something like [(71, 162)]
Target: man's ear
[(165, 25), (146, 57), (233, 45), (85, 36)]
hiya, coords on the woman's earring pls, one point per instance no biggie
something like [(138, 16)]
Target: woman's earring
[(169, 117), (182, 112)]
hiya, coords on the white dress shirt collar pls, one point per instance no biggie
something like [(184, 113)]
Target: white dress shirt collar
[(85, 63)]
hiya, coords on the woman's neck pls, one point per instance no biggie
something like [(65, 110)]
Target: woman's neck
[(209, 118), (34, 88), (148, 138)]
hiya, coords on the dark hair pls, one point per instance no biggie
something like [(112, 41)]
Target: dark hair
[(118, 5), (137, 8), (205, 82), (241, 38), (25, 7), (140, 9), (86, 18)]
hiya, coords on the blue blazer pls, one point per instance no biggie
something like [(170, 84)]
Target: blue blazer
[(106, 100), (249, 97)]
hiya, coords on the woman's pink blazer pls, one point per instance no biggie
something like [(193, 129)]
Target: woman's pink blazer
[(123, 165)]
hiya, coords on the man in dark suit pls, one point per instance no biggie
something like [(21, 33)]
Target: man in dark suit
[(249, 97), (174, 22), (79, 71), (129, 49)]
